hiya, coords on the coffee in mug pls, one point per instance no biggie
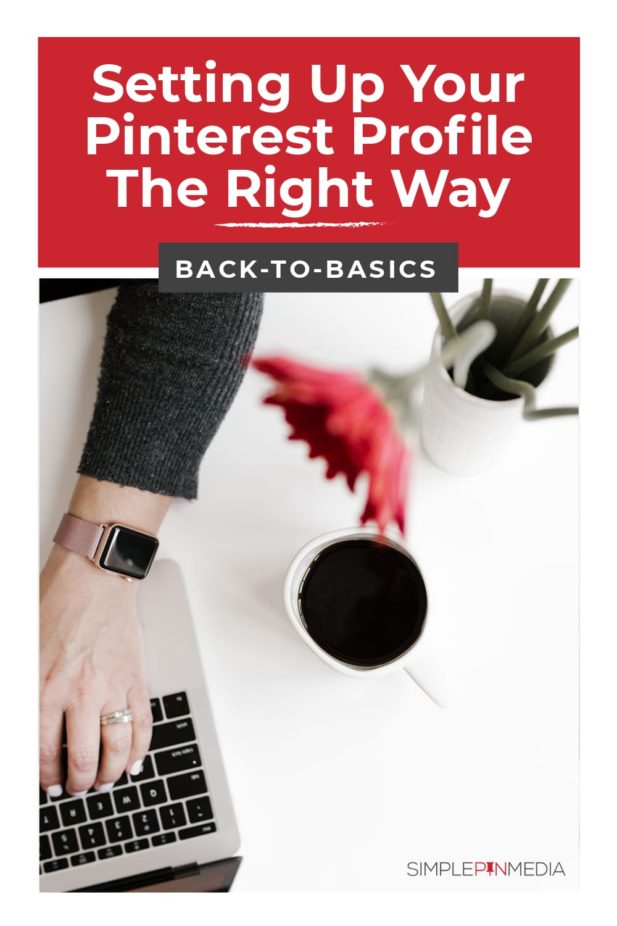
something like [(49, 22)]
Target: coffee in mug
[(358, 599)]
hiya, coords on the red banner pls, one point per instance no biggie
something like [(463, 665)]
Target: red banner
[(468, 140)]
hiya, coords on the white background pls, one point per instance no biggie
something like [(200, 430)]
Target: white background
[(339, 782), (19, 375)]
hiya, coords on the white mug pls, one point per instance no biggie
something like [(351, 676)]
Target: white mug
[(293, 583)]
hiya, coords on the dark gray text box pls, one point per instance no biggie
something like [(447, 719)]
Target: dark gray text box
[(308, 268)]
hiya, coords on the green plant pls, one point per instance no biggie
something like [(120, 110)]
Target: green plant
[(504, 346)]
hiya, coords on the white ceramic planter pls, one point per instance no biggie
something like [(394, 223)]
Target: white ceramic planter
[(462, 433)]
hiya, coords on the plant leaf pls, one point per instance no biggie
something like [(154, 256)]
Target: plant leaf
[(540, 321), (445, 322), (525, 317), (462, 350), (546, 349), (485, 299), (527, 393)]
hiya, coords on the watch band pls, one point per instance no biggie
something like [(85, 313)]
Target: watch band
[(78, 535)]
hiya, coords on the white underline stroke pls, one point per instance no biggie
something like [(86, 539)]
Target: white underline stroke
[(297, 224)]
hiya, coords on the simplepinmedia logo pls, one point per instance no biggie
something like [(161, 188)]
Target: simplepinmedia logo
[(485, 869)]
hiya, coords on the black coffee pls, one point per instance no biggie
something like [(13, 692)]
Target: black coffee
[(363, 601)]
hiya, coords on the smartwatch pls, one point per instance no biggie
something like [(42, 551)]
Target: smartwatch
[(114, 547)]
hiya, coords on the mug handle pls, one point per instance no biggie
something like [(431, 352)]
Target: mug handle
[(427, 674)]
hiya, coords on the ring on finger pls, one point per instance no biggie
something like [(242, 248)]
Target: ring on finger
[(122, 716)]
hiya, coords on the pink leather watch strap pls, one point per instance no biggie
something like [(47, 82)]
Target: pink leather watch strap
[(78, 535)]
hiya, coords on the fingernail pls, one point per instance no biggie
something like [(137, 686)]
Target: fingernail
[(77, 793), (106, 787), (136, 768), (54, 791)]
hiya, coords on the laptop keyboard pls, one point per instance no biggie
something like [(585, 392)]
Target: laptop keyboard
[(166, 802)]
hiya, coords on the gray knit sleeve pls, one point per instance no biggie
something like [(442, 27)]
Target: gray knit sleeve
[(171, 367)]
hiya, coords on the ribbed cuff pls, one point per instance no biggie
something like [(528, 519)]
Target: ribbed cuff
[(171, 366)]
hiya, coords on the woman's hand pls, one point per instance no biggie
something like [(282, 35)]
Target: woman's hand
[(92, 653), (91, 663)]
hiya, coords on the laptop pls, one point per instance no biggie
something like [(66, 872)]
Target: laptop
[(172, 827)]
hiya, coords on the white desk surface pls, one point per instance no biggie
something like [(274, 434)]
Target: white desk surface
[(338, 783)]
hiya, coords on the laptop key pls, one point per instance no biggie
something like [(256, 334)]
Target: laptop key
[(176, 705), (42, 796), (153, 792), (48, 819), (177, 760), (172, 733), (55, 864), (109, 852), (201, 830), (92, 835), (119, 829), (82, 859), (73, 812), (145, 822), (65, 842), (199, 809), (172, 816), (146, 772), (186, 785), (157, 713), (44, 848), (127, 799), (163, 839), (136, 845), (99, 805)]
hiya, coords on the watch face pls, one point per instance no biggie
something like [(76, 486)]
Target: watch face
[(128, 552)]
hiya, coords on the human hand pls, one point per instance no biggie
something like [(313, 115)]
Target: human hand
[(91, 663), (92, 652)]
